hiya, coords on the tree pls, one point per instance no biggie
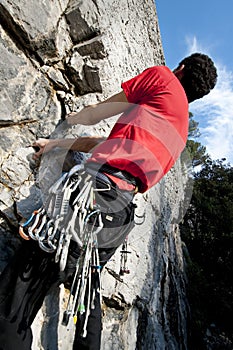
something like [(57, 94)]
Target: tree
[(194, 130), (196, 151), (207, 230)]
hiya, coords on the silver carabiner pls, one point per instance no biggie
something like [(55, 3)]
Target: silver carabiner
[(39, 229), (41, 212)]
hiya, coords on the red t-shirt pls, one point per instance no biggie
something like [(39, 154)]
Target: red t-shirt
[(149, 137)]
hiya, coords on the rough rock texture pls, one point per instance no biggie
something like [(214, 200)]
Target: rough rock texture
[(57, 56)]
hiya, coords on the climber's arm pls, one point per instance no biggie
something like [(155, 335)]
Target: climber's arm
[(93, 114), (82, 144), (89, 115)]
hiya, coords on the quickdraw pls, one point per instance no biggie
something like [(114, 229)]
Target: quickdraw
[(88, 267), (124, 257), (59, 220)]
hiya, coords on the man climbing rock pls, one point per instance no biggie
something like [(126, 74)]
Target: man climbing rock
[(142, 147)]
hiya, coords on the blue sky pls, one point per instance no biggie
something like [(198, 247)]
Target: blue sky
[(204, 26)]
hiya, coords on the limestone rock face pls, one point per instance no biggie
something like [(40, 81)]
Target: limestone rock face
[(58, 56)]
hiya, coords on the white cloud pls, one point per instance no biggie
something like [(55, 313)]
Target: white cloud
[(216, 111)]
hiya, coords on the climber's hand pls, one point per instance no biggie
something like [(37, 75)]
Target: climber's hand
[(42, 146)]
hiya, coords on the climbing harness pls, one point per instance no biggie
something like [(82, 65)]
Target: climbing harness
[(70, 213)]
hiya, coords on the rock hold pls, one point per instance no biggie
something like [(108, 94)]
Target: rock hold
[(80, 30), (94, 48), (83, 75)]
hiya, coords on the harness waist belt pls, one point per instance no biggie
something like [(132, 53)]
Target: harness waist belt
[(120, 174), (100, 176)]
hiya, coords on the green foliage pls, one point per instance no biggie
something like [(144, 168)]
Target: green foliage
[(207, 230), (193, 127), (196, 151)]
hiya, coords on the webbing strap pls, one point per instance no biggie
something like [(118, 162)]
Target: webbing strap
[(105, 168)]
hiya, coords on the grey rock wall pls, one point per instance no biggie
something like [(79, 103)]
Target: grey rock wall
[(58, 56)]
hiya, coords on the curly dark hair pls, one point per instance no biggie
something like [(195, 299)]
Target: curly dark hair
[(199, 75)]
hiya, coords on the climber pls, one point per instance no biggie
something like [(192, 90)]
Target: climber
[(141, 148)]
